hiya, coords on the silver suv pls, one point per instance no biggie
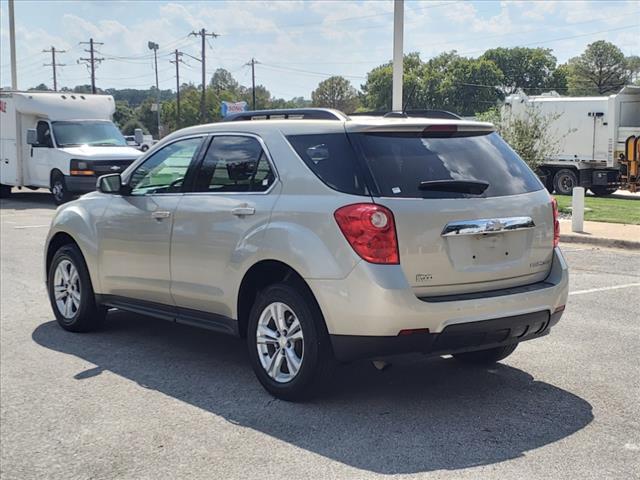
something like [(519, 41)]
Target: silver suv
[(320, 238)]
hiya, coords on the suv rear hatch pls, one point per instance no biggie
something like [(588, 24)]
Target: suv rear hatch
[(470, 214)]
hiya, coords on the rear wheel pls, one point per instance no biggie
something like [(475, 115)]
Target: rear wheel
[(601, 190), (564, 181), (59, 189), (288, 343), (71, 293), (5, 191), (486, 357)]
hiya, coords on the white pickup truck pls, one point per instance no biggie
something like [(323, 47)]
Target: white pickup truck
[(61, 141)]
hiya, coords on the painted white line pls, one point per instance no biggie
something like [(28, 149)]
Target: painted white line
[(603, 289), (30, 226)]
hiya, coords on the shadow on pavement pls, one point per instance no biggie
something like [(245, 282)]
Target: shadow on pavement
[(26, 200), (418, 416)]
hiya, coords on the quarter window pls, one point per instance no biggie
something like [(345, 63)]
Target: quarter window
[(236, 164), (164, 171)]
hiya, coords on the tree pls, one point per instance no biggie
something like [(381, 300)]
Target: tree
[(600, 70), (376, 92), (40, 88), (123, 114), (223, 81), (335, 92), (529, 134), (529, 69)]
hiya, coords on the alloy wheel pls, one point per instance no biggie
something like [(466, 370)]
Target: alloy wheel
[(280, 342), (66, 289)]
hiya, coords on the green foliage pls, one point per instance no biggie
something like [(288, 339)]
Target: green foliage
[(448, 81), (40, 88), (131, 125), (611, 210), (123, 114), (529, 69), (601, 69), (528, 134), (336, 92)]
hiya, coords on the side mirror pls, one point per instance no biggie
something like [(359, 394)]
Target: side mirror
[(32, 136), (111, 183)]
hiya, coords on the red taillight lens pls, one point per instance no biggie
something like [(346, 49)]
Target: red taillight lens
[(371, 231), (556, 223)]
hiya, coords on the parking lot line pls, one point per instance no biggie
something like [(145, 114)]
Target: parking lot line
[(602, 289)]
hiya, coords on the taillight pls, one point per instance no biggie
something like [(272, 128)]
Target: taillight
[(556, 223), (371, 231)]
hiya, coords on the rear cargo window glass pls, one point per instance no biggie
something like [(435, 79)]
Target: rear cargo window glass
[(332, 159), (400, 162)]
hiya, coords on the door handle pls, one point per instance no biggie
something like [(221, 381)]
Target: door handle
[(160, 214), (242, 211)]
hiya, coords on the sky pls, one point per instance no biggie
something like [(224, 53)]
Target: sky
[(298, 43)]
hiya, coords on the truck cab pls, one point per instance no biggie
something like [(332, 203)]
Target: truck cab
[(60, 141)]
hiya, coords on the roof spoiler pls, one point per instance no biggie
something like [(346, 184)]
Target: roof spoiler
[(426, 113), (288, 114)]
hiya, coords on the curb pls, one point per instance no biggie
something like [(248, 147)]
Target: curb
[(601, 241)]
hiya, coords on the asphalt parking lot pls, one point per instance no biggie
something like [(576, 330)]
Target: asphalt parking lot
[(146, 399)]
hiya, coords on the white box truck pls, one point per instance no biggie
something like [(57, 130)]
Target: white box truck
[(61, 141), (599, 139)]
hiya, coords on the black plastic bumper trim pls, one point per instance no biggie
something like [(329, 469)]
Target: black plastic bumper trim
[(457, 338)]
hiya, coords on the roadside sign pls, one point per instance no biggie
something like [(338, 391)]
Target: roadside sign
[(227, 108)]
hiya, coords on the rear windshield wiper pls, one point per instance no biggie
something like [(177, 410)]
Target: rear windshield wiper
[(474, 187)]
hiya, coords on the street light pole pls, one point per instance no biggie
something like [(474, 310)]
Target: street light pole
[(12, 43), (154, 46), (398, 25)]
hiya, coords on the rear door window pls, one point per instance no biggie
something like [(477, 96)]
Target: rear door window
[(399, 162)]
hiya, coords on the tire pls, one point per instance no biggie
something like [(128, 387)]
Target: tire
[(5, 191), (486, 357), (564, 181), (312, 351), (59, 189), (601, 190), (144, 148), (83, 314)]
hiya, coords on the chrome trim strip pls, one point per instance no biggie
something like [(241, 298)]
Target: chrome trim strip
[(485, 226)]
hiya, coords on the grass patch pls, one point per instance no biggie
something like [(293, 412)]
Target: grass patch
[(612, 210)]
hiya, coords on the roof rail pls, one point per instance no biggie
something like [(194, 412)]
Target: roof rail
[(442, 114), (288, 114)]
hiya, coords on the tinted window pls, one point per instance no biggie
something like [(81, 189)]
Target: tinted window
[(399, 162), (165, 170), (235, 164), (332, 159)]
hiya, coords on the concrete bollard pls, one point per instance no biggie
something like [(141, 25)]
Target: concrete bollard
[(577, 210)]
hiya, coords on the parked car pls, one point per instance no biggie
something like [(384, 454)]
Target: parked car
[(320, 238), (140, 141)]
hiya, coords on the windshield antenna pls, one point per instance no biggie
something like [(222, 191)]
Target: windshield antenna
[(409, 98)]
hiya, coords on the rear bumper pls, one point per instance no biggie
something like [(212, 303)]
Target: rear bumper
[(80, 184), (375, 302), (458, 338)]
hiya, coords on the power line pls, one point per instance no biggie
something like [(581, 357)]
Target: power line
[(91, 61), (53, 64)]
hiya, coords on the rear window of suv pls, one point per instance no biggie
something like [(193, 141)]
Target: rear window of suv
[(395, 163)]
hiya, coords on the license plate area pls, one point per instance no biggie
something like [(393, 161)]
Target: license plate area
[(497, 251)]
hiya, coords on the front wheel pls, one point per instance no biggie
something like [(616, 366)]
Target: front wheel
[(59, 189), (486, 357), (71, 293), (288, 343)]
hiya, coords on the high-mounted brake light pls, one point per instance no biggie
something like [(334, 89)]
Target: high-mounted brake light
[(371, 231), (441, 129), (556, 223)]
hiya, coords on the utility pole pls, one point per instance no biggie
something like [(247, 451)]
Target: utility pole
[(91, 61), (54, 64), (398, 60), (203, 34), (154, 46), (177, 61), (12, 42), (253, 80)]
